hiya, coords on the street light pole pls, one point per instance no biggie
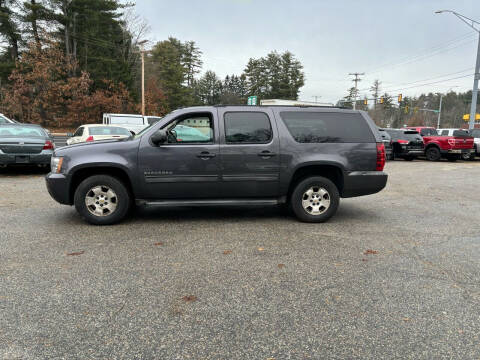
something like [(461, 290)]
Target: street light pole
[(475, 25)]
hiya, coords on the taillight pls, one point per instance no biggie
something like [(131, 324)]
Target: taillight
[(400, 141), (48, 145), (90, 138), (380, 156), (451, 142)]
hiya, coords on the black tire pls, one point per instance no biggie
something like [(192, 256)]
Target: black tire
[(315, 182), (433, 153), (409, 158), (122, 199)]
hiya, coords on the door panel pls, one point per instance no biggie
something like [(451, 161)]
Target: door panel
[(181, 171), (251, 168)]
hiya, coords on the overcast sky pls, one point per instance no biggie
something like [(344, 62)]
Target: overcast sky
[(401, 43)]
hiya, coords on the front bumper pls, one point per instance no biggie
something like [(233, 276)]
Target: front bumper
[(58, 186), (358, 183), (25, 159)]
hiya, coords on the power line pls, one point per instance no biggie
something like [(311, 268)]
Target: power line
[(417, 81), (435, 50), (435, 82)]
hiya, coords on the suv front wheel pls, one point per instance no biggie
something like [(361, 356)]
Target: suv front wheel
[(102, 200), (315, 199)]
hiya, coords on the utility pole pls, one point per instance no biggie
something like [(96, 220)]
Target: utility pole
[(356, 80), (142, 52), (475, 25), (439, 111), (316, 97)]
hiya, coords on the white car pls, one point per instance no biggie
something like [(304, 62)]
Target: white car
[(95, 132)]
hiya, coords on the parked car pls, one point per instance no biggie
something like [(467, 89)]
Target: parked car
[(133, 122), (24, 144), (475, 133), (307, 157), (6, 120), (449, 147), (96, 132), (406, 144), (387, 142), (458, 132)]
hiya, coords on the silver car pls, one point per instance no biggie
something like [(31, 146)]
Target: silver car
[(25, 144)]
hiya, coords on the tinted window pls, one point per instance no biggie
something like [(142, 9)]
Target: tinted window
[(428, 132), (247, 127), (328, 127), (108, 130), (444, 132), (79, 132), (460, 133), (193, 129)]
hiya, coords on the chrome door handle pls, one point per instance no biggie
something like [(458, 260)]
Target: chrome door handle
[(266, 154), (205, 155)]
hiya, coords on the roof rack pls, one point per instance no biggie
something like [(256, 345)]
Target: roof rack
[(292, 106)]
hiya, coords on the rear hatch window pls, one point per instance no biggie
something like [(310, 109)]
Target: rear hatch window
[(327, 127)]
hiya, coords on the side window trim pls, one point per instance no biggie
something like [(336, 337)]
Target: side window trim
[(226, 142)]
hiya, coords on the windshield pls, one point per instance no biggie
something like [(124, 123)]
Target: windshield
[(4, 120), (108, 130), (22, 131), (475, 133)]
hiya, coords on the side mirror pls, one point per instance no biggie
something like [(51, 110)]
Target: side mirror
[(160, 137), (70, 134)]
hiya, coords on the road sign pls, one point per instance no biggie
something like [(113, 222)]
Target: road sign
[(466, 117), (252, 100)]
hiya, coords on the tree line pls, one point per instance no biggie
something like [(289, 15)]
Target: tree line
[(385, 109), (65, 62)]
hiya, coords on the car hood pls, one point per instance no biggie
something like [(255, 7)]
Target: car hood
[(95, 146)]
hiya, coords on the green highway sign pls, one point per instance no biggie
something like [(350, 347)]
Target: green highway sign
[(252, 100)]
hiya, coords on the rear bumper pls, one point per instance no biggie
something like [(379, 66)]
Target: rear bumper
[(358, 183), (58, 186), (457, 151), (25, 159)]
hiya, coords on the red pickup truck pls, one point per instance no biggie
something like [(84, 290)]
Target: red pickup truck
[(449, 147)]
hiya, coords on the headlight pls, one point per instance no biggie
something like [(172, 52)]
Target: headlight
[(56, 164)]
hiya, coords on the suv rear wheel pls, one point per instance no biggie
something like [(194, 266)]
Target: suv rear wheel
[(102, 200), (315, 199)]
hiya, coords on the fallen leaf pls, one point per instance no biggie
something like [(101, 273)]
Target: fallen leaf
[(406, 319), (281, 266), (370, 252), (227, 252), (260, 249), (189, 298), (76, 253), (364, 260), (158, 243)]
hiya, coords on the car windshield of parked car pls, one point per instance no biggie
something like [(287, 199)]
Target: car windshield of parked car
[(21, 131), (108, 130), (4, 120), (475, 133)]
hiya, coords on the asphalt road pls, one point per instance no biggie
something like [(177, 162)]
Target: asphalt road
[(393, 275)]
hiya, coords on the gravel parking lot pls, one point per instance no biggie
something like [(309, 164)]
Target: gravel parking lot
[(393, 275)]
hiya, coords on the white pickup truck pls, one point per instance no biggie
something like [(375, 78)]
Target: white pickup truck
[(134, 123)]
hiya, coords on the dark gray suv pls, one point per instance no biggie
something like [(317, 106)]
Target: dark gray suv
[(306, 157)]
